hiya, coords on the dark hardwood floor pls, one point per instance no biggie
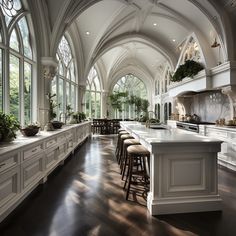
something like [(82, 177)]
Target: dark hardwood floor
[(86, 197)]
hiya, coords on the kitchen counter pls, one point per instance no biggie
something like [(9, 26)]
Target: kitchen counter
[(183, 169)]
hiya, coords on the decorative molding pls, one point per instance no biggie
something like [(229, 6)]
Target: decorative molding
[(230, 91), (49, 72)]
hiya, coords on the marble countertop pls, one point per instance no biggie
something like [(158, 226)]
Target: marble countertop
[(168, 135), (22, 141)]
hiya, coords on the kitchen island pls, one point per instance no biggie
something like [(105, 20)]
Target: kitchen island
[(183, 169)]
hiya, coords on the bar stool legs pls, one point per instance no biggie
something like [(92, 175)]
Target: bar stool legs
[(138, 169)]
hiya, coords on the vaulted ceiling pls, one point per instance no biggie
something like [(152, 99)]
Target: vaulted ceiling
[(122, 35)]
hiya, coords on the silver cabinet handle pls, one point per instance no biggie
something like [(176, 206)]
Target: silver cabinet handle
[(34, 150), (3, 164)]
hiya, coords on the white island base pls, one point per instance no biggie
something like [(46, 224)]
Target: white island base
[(183, 170)]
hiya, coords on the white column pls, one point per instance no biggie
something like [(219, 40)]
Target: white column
[(104, 101), (81, 97), (49, 66)]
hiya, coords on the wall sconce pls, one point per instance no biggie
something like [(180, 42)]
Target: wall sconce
[(217, 45)]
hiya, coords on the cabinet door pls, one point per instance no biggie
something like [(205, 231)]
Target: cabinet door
[(32, 151), (51, 158), (9, 160), (32, 171), (9, 187), (62, 150)]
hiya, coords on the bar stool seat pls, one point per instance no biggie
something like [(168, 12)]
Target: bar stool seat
[(118, 143), (121, 129), (138, 170), (122, 138), (124, 160)]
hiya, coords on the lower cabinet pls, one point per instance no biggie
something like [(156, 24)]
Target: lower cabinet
[(32, 171), (227, 156), (9, 188), (24, 167), (51, 158)]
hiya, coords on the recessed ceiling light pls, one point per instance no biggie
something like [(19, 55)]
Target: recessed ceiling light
[(87, 32), (155, 24), (173, 40)]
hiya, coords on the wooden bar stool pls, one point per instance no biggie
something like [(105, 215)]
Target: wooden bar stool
[(118, 143), (138, 170), (124, 160), (121, 129), (122, 138)]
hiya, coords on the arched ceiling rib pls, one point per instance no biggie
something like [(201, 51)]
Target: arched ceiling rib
[(111, 21)]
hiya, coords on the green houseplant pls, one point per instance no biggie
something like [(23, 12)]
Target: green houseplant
[(53, 124), (8, 127), (188, 69)]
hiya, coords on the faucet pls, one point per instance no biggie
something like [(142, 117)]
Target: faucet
[(148, 120)]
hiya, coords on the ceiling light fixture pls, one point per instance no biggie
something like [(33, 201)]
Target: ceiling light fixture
[(215, 44), (155, 24), (87, 32), (173, 40)]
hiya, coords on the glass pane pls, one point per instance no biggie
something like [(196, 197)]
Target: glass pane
[(14, 44), (60, 95), (27, 91), (68, 98), (25, 36), (93, 88), (0, 33), (98, 105), (54, 85), (93, 105), (73, 97), (97, 84), (61, 71), (1, 89), (72, 72), (64, 51), (10, 9), (14, 86)]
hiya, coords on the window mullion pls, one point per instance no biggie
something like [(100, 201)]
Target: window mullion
[(21, 88)]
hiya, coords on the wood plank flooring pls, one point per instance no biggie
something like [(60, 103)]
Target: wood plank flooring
[(86, 197)]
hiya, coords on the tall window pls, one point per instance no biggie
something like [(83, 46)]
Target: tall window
[(132, 86), (93, 95), (64, 84), (16, 54)]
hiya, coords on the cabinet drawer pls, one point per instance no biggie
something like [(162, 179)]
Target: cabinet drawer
[(51, 158), (29, 153), (9, 160), (9, 186), (61, 139), (69, 135), (32, 171), (50, 143), (216, 133)]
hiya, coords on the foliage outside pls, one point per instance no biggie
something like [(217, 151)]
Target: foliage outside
[(188, 69), (117, 100)]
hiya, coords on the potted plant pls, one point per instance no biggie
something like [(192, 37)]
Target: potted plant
[(82, 116), (188, 69), (53, 124), (30, 130), (8, 127)]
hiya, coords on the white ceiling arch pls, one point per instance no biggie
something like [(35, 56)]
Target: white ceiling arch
[(107, 21), (139, 73)]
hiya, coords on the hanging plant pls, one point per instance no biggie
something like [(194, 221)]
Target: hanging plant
[(188, 69)]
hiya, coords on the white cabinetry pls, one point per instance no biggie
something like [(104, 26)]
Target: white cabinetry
[(26, 162), (227, 156)]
